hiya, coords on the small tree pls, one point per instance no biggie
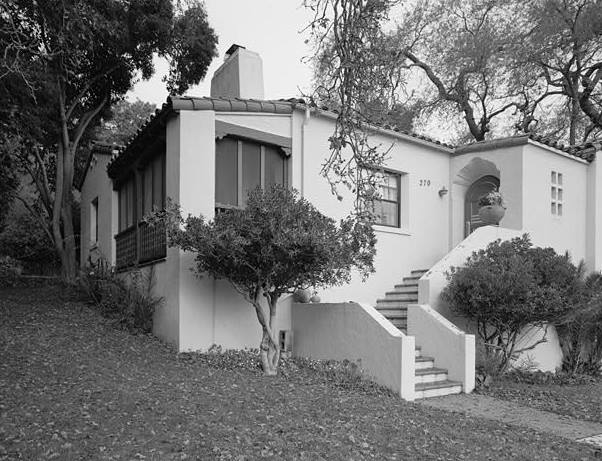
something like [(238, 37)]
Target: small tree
[(279, 243), (507, 287)]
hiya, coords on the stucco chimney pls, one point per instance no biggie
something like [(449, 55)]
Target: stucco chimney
[(240, 76)]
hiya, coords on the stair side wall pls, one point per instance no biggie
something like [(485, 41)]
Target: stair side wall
[(358, 333), (438, 337)]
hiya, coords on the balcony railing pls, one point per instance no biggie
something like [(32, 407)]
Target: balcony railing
[(153, 242), (140, 244)]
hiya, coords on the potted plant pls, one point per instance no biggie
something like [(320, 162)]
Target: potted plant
[(492, 207)]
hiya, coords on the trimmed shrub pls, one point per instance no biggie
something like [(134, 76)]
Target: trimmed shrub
[(507, 287), (129, 303)]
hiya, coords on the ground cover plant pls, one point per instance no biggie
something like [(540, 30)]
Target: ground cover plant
[(277, 244), (126, 300), (508, 287), (576, 396), (72, 386)]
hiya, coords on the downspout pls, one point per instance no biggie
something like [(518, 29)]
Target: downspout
[(305, 122)]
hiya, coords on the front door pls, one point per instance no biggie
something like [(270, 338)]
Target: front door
[(479, 188)]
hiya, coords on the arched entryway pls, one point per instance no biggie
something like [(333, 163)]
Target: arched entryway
[(478, 188)]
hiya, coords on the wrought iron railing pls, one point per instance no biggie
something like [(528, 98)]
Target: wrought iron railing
[(140, 244), (152, 241), (126, 248)]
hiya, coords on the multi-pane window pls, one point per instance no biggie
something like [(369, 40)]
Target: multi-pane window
[(127, 209), (387, 207), (243, 165), (557, 193)]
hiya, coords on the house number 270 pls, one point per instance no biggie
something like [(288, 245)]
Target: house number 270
[(424, 182)]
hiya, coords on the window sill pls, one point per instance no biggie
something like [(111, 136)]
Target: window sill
[(392, 230), (141, 265)]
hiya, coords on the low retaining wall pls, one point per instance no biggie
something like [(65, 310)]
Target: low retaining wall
[(438, 337), (359, 333)]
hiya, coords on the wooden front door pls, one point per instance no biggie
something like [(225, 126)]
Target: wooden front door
[(479, 188)]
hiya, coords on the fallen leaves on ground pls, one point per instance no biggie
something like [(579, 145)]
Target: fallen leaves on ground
[(74, 387)]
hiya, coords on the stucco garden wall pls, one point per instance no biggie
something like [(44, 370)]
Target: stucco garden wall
[(566, 232)]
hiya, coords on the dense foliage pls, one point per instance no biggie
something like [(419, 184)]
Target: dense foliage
[(508, 287), (64, 62), (277, 244), (127, 300), (580, 331)]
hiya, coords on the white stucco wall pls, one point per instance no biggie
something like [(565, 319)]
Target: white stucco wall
[(360, 334), (566, 232), (417, 245), (593, 244), (97, 185)]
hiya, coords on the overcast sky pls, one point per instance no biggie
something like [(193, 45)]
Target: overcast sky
[(269, 27)]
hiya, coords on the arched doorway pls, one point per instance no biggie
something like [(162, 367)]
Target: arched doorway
[(479, 188)]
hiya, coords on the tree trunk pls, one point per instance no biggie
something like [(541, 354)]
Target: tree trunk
[(269, 349)]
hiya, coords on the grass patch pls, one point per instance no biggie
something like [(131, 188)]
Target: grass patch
[(74, 387)]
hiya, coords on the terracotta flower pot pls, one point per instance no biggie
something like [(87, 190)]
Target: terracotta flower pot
[(302, 296), (492, 214)]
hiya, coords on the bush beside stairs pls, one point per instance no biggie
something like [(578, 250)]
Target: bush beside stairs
[(430, 381)]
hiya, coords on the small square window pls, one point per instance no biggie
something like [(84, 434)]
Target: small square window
[(560, 179), (559, 195), (559, 206), (553, 177), (553, 207), (554, 195)]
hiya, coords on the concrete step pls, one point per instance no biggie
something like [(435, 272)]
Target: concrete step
[(403, 288), (420, 272), (424, 362), (410, 286), (393, 313), (412, 278), (408, 297), (391, 303), (430, 375), (400, 323), (425, 390)]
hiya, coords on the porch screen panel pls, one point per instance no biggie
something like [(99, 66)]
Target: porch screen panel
[(226, 166), (275, 164), (251, 168), (147, 191), (129, 203), (122, 209), (158, 183)]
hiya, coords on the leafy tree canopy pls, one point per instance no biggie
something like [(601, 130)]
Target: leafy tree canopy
[(64, 63)]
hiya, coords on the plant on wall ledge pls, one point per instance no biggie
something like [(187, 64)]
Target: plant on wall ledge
[(493, 198), (278, 244), (492, 207)]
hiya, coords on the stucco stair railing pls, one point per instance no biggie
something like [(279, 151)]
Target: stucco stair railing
[(429, 380)]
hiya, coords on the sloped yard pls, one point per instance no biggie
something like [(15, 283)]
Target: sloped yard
[(74, 387)]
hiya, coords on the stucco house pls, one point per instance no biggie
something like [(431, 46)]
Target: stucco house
[(206, 152)]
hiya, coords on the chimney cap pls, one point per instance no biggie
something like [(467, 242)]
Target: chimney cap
[(233, 49)]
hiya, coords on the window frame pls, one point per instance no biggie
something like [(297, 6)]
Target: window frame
[(240, 192), (94, 222), (557, 193), (398, 179)]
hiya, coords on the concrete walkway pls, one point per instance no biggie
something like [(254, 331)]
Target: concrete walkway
[(518, 415)]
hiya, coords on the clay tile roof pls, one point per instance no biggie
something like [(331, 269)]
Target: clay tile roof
[(287, 106)]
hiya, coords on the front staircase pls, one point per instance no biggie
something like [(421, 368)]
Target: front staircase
[(429, 380)]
